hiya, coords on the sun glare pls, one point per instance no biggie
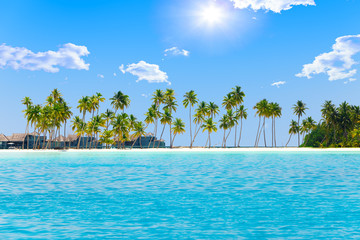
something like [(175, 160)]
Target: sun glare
[(212, 15)]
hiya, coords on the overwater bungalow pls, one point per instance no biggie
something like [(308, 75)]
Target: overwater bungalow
[(35, 141), (149, 141)]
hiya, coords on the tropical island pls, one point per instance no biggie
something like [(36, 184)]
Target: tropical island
[(115, 129)]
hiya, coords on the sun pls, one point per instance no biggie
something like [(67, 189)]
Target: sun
[(212, 15)]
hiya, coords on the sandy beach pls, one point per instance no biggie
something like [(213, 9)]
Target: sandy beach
[(183, 149)]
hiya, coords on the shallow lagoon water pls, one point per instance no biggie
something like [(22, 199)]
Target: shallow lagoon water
[(180, 195)]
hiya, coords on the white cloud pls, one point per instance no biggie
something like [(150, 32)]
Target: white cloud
[(337, 64), (122, 68), (146, 71), (100, 76), (271, 5), (144, 95), (278, 84), (68, 56), (175, 51), (350, 80), (114, 74)]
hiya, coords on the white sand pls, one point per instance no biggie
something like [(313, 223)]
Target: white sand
[(167, 150)]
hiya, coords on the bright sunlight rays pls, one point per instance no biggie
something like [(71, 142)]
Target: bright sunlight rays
[(212, 15)]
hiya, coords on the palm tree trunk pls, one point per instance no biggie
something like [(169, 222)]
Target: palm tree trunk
[(264, 132), (227, 136), (257, 134), (272, 131), (241, 125), (173, 138), (196, 133), (190, 127), (65, 134), (261, 129), (223, 142), (133, 143), (27, 139), (236, 125), (299, 131), (34, 141), (78, 145), (26, 130), (170, 136), (162, 132), (275, 131), (152, 138), (288, 140), (209, 140), (140, 142)]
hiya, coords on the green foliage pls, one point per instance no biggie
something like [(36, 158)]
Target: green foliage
[(315, 138), (339, 127)]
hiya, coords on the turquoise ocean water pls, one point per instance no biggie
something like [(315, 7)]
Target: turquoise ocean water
[(180, 195)]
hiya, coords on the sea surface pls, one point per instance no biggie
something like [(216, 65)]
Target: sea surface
[(138, 195)]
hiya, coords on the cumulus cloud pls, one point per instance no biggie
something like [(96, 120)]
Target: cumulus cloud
[(175, 51), (67, 56), (114, 74), (278, 84), (271, 5), (337, 64), (100, 76), (146, 71)]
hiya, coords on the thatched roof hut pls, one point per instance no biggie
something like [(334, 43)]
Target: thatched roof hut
[(3, 138)]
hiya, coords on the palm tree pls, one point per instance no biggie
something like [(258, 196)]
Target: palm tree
[(262, 110), (56, 95), (238, 97), (150, 117), (120, 101), (274, 112), (213, 110), (190, 99), (121, 127), (158, 99), (35, 119), (66, 116), (99, 99), (241, 114), (201, 112), (28, 103), (294, 129), (209, 126), (84, 106), (299, 110), (232, 120), (139, 131), (345, 118), (108, 116), (171, 105), (165, 119), (228, 101), (308, 125), (79, 128), (224, 124), (330, 115), (106, 138), (179, 128)]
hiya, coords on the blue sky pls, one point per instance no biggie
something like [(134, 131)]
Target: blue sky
[(250, 45)]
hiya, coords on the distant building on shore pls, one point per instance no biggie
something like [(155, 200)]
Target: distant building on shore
[(36, 141)]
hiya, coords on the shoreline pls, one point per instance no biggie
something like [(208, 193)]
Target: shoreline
[(184, 149)]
